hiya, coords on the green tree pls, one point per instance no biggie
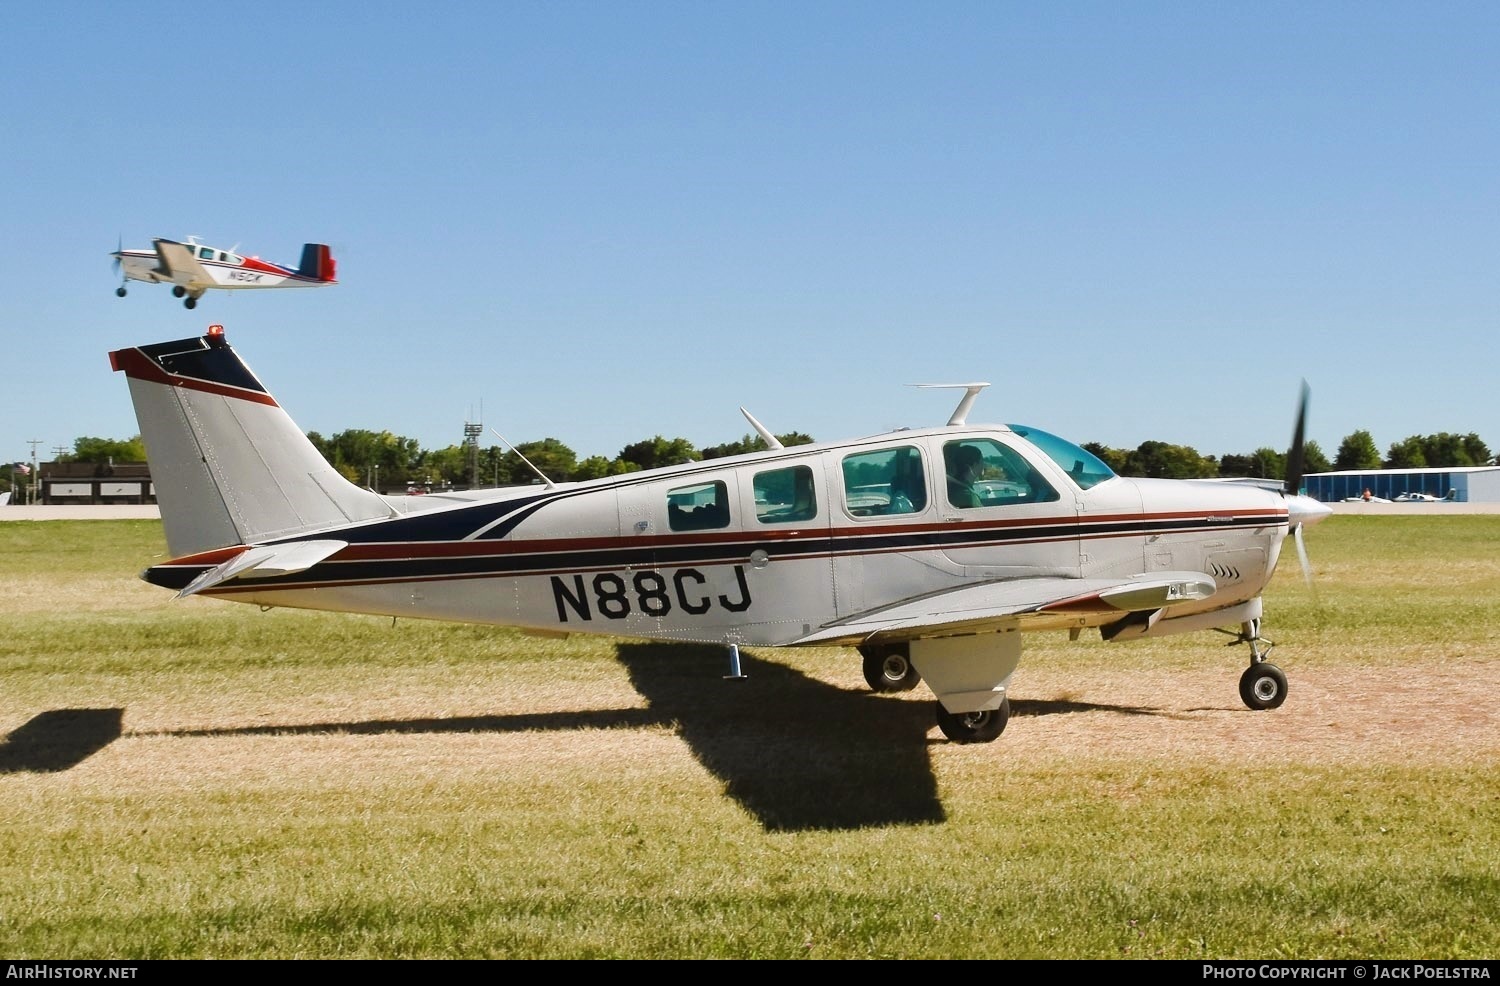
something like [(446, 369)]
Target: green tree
[(754, 443), (597, 467), (656, 452), (1445, 449), (1479, 453), (1313, 459), (1406, 454), (1357, 451), (554, 459), (106, 450), (370, 457), (1161, 460)]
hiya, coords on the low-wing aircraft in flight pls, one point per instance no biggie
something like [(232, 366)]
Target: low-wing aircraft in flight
[(929, 551), (193, 268)]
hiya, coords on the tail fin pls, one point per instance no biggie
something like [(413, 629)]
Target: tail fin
[(317, 262), (229, 466)]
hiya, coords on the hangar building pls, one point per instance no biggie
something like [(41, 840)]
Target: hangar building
[(1466, 484)]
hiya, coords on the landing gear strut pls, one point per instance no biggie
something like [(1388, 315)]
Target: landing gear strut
[(1263, 685)]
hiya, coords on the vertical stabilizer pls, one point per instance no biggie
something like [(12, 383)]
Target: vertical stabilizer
[(229, 465), (317, 262)]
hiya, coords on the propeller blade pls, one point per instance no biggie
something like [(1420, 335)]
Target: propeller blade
[(1302, 558), (1294, 456)]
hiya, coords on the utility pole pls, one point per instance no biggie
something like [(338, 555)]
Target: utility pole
[(35, 476)]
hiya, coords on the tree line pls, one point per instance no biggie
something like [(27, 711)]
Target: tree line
[(393, 463)]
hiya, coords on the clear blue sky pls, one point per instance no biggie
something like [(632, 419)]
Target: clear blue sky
[(601, 222)]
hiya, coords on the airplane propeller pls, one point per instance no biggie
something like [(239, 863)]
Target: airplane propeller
[(118, 267), (1301, 509)]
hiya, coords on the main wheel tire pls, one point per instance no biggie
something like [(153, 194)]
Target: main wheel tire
[(1263, 686), (974, 727), (119, 292), (889, 669), (178, 290), (190, 304)]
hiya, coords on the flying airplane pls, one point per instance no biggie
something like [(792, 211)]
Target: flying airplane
[(192, 268), (876, 543)]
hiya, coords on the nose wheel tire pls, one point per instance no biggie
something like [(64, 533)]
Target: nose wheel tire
[(889, 669), (119, 292), (1263, 686), (974, 727)]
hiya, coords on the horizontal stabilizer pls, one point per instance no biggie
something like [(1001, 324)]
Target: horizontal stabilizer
[(266, 561)]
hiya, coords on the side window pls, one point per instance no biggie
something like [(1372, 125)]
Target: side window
[(783, 496), (984, 473), (700, 507), (889, 481), (206, 253)]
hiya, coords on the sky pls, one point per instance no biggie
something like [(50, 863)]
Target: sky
[(602, 222)]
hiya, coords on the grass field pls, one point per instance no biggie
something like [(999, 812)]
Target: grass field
[(199, 779)]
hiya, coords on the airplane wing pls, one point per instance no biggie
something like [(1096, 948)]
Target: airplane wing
[(998, 605), (178, 265)]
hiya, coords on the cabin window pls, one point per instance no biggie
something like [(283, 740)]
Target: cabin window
[(890, 481), (984, 473), (700, 507), (207, 253), (784, 496)]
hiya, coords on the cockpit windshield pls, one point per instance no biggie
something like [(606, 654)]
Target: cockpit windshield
[(1082, 466)]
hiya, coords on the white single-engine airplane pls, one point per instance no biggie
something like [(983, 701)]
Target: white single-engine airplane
[(192, 268), (929, 551)]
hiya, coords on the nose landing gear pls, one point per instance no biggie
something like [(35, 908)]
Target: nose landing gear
[(1263, 685)]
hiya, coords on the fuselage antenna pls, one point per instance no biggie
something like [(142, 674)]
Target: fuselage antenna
[(762, 430), (965, 404), (550, 484)]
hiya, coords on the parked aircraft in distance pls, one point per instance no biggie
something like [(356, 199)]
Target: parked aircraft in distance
[(929, 551), (193, 268)]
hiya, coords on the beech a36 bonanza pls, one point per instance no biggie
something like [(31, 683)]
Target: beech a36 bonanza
[(929, 551), (192, 268)]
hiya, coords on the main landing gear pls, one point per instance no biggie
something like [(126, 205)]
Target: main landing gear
[(888, 667), (190, 303), (178, 290), (974, 727), (1263, 685)]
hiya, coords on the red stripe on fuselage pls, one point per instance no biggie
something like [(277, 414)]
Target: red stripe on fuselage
[(419, 551)]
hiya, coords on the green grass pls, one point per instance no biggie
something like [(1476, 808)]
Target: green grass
[(199, 779)]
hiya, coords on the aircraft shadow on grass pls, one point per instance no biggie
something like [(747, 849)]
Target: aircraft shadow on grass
[(797, 753)]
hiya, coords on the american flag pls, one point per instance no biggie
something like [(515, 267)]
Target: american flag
[(22, 468)]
